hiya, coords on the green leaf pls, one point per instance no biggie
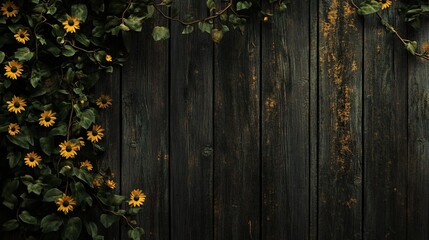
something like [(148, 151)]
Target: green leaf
[(10, 225), (188, 29), (27, 218), (47, 145), (107, 220), (217, 35), (91, 228), (82, 39), (134, 23), (60, 130), (80, 11), (2, 55), (160, 33), (87, 118), (411, 47), (205, 27), (52, 195), (23, 54), (68, 51), (83, 175), (14, 158), (134, 210), (23, 139), (211, 5), (241, 5), (51, 223), (80, 193), (369, 7), (135, 233), (72, 229), (35, 188), (117, 200)]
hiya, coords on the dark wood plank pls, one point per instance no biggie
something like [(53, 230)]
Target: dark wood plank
[(145, 152), (340, 108), (109, 85), (418, 143), (191, 120), (385, 135), (237, 191), (285, 124), (314, 121)]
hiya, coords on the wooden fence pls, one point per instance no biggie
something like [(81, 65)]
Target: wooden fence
[(314, 125)]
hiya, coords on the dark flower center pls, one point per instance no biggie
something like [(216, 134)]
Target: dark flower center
[(47, 119), (104, 101), (16, 105), (13, 129), (94, 133), (21, 35), (13, 69), (70, 22), (31, 159), (136, 198), (66, 203), (68, 148), (10, 9)]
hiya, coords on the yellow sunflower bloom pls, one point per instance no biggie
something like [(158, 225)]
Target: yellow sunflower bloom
[(9, 9), (65, 204), (71, 24), (385, 4), (47, 118), (13, 129), (97, 181), (111, 184), (16, 105), (13, 69), (32, 159), (68, 149), (108, 58), (96, 133), (22, 36), (137, 198), (81, 143), (104, 101), (86, 165)]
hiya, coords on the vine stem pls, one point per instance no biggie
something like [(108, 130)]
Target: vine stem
[(70, 120), (228, 6)]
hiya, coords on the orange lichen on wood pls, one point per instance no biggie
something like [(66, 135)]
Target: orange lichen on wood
[(349, 203)]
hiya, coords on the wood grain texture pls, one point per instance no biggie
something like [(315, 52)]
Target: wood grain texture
[(418, 144), (191, 119), (237, 191), (285, 124), (109, 85), (385, 131), (340, 107), (145, 139)]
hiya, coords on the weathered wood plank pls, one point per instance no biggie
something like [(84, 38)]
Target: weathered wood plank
[(191, 120), (236, 129), (109, 85), (285, 124), (145, 151), (418, 143), (385, 135), (340, 108)]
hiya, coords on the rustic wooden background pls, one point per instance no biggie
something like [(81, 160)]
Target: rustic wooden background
[(314, 125)]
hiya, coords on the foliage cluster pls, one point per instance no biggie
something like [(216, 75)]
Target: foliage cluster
[(53, 52)]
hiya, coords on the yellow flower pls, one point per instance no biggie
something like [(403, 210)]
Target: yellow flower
[(111, 184), (9, 9), (86, 164), (96, 133), (13, 129), (68, 149), (108, 58), (65, 204), (266, 18), (385, 4), (71, 24), (137, 198), (81, 143), (13, 69), (22, 36), (16, 105), (32, 159), (104, 101), (97, 181), (47, 118)]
